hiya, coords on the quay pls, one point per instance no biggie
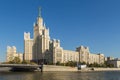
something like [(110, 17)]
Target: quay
[(23, 67), (29, 67)]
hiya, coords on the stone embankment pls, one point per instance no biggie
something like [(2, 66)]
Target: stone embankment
[(65, 68), (106, 69), (4, 69), (58, 68)]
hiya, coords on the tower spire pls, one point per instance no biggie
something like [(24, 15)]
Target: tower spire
[(39, 12)]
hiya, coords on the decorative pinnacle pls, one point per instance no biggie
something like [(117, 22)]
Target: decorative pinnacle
[(39, 12)]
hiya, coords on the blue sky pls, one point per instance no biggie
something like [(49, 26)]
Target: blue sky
[(92, 23)]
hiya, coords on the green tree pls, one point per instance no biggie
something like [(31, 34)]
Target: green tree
[(28, 62), (110, 65), (16, 60), (25, 62), (83, 63), (71, 63), (58, 63)]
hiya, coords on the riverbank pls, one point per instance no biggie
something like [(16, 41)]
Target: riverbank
[(106, 69), (66, 68), (2, 69), (58, 68)]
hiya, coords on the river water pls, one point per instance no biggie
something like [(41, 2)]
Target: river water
[(108, 75)]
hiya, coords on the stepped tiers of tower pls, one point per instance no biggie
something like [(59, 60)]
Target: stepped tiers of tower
[(42, 49)]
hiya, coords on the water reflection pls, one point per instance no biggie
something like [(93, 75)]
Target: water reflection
[(60, 75)]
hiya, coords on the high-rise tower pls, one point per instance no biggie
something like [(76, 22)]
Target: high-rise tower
[(41, 39), (28, 43)]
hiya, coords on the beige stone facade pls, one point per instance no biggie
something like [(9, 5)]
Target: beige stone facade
[(12, 53), (87, 57), (83, 54), (28, 43), (70, 56), (41, 40), (42, 49)]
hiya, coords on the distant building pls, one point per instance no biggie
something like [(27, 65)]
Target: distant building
[(110, 58), (115, 63), (12, 53), (42, 49)]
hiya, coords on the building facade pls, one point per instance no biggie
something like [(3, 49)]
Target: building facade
[(42, 49), (12, 53), (28, 43), (115, 63)]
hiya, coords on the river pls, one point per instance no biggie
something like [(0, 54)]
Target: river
[(108, 75)]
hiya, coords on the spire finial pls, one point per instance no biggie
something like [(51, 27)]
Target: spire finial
[(39, 12)]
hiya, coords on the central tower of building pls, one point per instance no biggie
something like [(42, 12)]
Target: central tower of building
[(41, 39)]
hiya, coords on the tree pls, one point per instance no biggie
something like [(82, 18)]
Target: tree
[(71, 63), (28, 62), (110, 65), (16, 60), (83, 63), (58, 63), (25, 62)]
